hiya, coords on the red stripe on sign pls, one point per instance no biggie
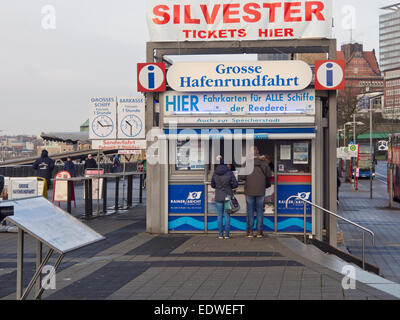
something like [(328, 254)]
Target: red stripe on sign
[(294, 179)]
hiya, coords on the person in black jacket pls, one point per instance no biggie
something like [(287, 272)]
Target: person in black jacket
[(1, 184), (70, 167), (223, 181), (339, 183), (116, 164), (44, 167), (90, 163)]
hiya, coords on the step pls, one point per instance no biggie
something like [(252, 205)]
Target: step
[(334, 263)]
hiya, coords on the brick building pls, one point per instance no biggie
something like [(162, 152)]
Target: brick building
[(362, 70)]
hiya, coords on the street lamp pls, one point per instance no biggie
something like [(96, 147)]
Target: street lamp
[(339, 136), (354, 123), (344, 129)]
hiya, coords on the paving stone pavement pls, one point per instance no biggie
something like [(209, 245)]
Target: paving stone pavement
[(375, 215), (132, 264)]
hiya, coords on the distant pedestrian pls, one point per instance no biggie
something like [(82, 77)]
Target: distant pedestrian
[(223, 181), (1, 184), (116, 164), (144, 166), (256, 184), (44, 167), (339, 183), (90, 163), (69, 166)]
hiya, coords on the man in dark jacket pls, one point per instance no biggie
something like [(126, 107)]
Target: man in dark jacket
[(254, 189), (44, 167), (70, 167), (90, 163), (116, 164), (1, 184), (223, 181)]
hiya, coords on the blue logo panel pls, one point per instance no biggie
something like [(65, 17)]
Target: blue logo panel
[(295, 206), (295, 225), (186, 199), (186, 223), (239, 223)]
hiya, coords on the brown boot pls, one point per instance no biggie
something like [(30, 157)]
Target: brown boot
[(259, 234), (249, 234)]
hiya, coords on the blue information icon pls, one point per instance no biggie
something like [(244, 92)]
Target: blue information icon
[(131, 125), (102, 126)]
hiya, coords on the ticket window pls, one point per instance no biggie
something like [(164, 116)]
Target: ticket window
[(294, 157), (226, 148), (187, 158)]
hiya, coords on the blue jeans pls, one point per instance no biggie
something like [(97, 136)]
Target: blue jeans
[(257, 204), (221, 213)]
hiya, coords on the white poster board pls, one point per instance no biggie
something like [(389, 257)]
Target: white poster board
[(239, 103), (97, 184), (20, 188), (119, 144), (286, 75), (346, 153), (51, 225), (61, 187), (103, 118), (131, 117)]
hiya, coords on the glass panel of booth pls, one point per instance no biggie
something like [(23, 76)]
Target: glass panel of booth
[(294, 157), (227, 148), (196, 162), (189, 155)]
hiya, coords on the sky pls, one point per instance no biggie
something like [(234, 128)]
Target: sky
[(51, 67)]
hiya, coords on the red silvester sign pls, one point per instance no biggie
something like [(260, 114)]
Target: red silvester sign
[(213, 20)]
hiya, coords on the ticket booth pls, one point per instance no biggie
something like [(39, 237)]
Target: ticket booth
[(198, 126), (191, 207), (298, 134)]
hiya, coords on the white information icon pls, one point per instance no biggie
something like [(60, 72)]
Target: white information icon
[(330, 74), (151, 77)]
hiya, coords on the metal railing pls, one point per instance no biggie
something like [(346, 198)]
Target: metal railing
[(337, 216)]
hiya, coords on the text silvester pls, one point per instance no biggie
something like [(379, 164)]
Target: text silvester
[(237, 13)]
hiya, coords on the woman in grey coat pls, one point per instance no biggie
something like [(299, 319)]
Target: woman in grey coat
[(223, 181)]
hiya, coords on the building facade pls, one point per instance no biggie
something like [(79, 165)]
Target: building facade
[(389, 40), (389, 37), (362, 70)]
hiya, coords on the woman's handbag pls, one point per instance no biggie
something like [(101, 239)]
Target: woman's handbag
[(231, 204)]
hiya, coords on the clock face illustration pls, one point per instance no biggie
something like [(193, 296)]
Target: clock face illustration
[(131, 125), (102, 126)]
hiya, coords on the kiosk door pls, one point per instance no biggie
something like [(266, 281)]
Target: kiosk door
[(239, 219), (293, 178)]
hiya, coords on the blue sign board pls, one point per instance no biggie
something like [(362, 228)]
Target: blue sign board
[(364, 103), (187, 199), (295, 206)]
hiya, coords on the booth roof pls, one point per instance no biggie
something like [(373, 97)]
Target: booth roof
[(69, 137)]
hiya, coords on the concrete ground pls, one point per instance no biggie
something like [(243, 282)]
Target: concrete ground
[(132, 264), (375, 215)]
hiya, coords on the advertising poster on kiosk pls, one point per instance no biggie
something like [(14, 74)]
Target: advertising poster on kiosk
[(187, 199), (97, 184)]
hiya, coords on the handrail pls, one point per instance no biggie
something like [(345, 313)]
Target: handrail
[(339, 217)]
